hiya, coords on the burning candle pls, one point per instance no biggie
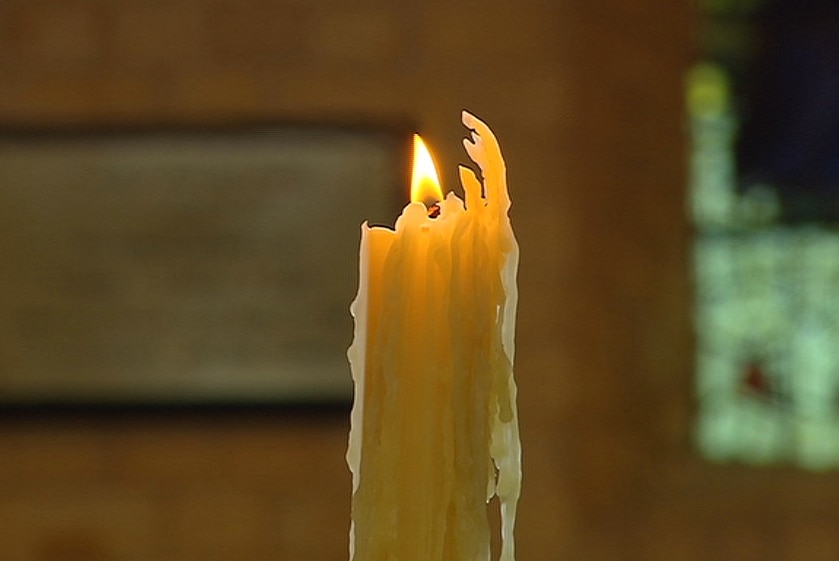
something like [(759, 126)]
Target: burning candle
[(434, 432)]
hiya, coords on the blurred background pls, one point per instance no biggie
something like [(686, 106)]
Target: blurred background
[(589, 102)]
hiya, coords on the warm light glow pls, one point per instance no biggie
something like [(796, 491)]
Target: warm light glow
[(425, 185)]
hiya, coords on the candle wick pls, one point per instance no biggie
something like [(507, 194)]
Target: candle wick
[(433, 209)]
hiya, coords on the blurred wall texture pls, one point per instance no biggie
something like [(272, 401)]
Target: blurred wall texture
[(586, 98)]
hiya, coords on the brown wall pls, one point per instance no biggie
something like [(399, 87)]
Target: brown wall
[(586, 99)]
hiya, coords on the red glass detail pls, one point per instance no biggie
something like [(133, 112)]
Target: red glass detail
[(756, 380)]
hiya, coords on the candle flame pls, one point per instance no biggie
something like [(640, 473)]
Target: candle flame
[(425, 184)]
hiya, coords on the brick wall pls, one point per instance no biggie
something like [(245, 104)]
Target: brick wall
[(586, 99), (141, 488)]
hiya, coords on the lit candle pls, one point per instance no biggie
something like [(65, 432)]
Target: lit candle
[(434, 426)]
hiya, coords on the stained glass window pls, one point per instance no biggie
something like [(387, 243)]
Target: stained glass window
[(766, 251)]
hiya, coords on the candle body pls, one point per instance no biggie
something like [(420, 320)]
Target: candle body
[(434, 425)]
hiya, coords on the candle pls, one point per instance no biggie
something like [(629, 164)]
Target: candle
[(434, 433)]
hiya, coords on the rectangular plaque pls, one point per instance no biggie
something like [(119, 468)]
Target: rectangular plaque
[(186, 266)]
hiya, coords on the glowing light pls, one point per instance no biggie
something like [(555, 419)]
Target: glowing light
[(425, 184)]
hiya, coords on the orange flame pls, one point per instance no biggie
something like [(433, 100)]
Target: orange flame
[(425, 184)]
